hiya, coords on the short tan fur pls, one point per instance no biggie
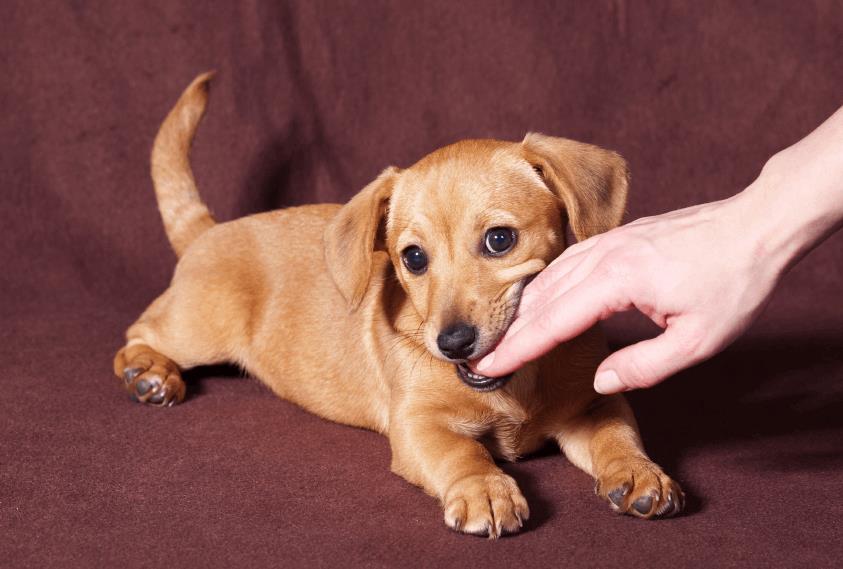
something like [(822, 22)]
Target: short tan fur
[(318, 303)]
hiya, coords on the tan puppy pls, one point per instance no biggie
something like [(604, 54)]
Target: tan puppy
[(367, 313)]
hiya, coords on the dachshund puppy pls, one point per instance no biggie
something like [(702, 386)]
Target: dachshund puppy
[(367, 314)]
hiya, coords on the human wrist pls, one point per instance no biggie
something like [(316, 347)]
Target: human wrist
[(773, 236), (794, 204), (798, 197)]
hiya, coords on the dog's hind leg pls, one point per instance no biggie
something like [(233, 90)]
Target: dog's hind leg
[(176, 332)]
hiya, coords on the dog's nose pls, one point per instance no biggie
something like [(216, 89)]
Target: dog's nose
[(457, 341)]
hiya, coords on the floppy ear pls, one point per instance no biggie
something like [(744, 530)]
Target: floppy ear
[(592, 182), (349, 238)]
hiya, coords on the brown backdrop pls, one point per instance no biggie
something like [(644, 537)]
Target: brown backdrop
[(312, 100)]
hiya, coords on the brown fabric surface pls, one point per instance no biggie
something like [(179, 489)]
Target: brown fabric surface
[(312, 100)]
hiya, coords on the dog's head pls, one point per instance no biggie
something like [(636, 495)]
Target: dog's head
[(467, 226)]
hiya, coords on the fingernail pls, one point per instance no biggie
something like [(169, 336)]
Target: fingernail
[(486, 362), (608, 382)]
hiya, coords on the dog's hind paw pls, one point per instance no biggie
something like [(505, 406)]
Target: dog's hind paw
[(639, 488), (486, 505), (149, 377)]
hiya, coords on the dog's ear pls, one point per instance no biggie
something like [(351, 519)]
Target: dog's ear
[(592, 182), (350, 237)]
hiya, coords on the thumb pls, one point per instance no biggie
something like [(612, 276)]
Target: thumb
[(648, 362)]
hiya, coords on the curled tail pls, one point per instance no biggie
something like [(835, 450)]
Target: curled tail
[(185, 216)]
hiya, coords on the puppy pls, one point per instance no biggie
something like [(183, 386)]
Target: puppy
[(367, 314)]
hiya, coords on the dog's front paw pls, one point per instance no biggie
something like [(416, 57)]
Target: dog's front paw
[(638, 487), (150, 377), (489, 504)]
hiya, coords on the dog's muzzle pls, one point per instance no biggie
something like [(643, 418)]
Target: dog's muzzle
[(481, 382), (526, 272)]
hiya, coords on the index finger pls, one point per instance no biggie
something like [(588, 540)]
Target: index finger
[(567, 317), (556, 270)]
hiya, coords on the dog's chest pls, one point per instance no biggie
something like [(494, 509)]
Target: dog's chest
[(509, 430), (510, 440)]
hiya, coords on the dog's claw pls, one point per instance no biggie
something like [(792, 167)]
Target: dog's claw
[(669, 506), (675, 504)]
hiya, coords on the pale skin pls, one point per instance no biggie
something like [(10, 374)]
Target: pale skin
[(703, 274)]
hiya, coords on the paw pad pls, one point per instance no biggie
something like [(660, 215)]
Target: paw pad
[(143, 386), (618, 494), (639, 488), (131, 373), (149, 377), (643, 505)]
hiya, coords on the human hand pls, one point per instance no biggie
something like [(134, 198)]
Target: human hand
[(702, 273), (696, 272)]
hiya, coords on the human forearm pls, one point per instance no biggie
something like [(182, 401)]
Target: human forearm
[(797, 200)]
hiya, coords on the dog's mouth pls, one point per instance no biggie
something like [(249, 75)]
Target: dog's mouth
[(480, 382)]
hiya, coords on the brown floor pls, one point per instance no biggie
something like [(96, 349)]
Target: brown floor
[(312, 100)]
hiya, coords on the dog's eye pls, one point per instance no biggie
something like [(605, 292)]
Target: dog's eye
[(499, 240), (415, 259)]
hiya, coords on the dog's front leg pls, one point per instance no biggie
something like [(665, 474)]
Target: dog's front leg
[(605, 443), (478, 498)]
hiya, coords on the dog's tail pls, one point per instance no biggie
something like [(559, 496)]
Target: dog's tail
[(185, 216)]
